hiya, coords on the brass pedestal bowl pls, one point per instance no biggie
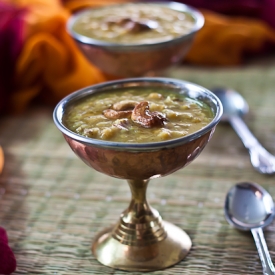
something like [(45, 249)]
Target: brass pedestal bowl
[(134, 58), (141, 240)]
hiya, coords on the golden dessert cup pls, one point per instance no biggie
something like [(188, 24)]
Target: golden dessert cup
[(141, 240)]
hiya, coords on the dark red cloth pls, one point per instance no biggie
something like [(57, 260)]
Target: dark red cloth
[(11, 43), (7, 258), (260, 9)]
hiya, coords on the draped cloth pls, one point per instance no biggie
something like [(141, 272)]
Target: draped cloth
[(40, 61)]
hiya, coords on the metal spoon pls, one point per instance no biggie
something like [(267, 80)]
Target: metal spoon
[(248, 206), (234, 107)]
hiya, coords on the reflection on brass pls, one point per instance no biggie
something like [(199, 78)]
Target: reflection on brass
[(139, 225), (141, 240)]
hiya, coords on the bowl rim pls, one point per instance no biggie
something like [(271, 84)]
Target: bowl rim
[(196, 14), (193, 90)]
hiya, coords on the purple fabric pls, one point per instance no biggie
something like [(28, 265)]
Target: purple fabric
[(260, 9), (268, 12), (11, 43), (7, 259)]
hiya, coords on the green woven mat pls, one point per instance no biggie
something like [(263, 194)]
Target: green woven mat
[(52, 204)]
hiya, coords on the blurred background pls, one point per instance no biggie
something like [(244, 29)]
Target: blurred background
[(40, 63)]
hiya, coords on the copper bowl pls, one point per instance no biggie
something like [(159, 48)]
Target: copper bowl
[(140, 240), (133, 60), (140, 160)]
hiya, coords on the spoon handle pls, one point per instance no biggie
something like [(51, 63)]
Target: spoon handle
[(260, 158), (268, 267)]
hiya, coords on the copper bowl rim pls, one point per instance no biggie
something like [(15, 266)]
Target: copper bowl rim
[(198, 24), (190, 89)]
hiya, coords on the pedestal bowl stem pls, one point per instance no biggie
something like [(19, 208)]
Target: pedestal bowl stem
[(139, 224), (141, 241)]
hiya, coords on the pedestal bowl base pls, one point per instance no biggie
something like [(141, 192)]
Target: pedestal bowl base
[(159, 255)]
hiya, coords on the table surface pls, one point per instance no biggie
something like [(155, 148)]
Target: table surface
[(52, 204)]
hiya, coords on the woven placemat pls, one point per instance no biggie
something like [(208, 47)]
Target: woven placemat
[(52, 204)]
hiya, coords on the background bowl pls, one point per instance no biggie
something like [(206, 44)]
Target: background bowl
[(131, 60), (140, 160)]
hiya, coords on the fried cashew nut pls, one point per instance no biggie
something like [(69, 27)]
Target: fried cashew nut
[(113, 114), (121, 109), (145, 118), (131, 25)]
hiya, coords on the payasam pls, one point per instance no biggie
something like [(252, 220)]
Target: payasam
[(132, 23), (137, 115)]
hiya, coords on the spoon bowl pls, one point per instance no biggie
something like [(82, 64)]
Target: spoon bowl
[(234, 108), (248, 206), (233, 103)]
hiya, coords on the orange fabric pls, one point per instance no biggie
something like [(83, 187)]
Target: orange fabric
[(225, 40), (50, 65), (74, 5)]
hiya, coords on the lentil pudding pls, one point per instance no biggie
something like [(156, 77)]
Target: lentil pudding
[(134, 23), (137, 115)]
